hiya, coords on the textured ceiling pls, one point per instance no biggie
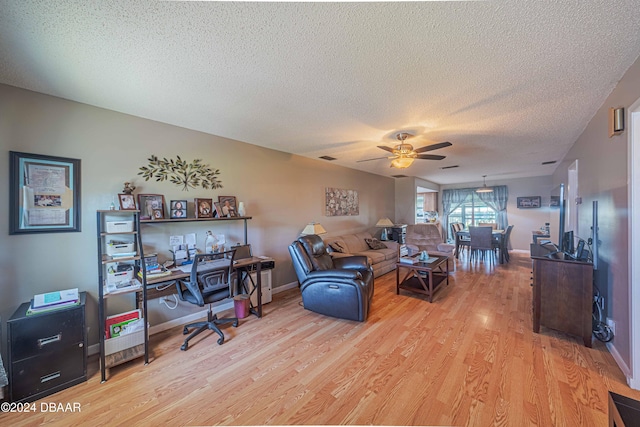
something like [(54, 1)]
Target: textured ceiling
[(510, 83)]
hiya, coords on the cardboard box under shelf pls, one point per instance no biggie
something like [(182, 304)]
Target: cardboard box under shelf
[(123, 356), (123, 348)]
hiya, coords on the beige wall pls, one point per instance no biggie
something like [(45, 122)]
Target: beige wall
[(602, 176), (282, 192)]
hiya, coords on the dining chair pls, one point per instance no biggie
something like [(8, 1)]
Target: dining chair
[(493, 225), (462, 241), (505, 242), (481, 244)]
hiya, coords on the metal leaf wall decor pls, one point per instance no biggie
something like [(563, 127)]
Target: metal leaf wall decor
[(188, 175)]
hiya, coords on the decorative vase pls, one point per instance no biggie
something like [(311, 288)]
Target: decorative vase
[(241, 210)]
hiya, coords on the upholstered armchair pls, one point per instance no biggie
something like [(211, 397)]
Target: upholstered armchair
[(338, 287), (428, 237)]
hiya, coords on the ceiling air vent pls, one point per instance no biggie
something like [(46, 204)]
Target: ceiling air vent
[(398, 176), (327, 158), (549, 162), (450, 167)]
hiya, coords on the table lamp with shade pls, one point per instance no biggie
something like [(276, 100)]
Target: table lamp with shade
[(313, 228), (384, 223)]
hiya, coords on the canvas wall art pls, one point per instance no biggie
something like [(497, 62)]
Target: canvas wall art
[(342, 202)]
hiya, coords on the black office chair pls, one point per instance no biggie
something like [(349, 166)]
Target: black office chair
[(212, 273)]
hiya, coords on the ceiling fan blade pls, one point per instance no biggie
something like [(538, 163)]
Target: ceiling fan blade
[(433, 147), (430, 157), (385, 148), (368, 160)]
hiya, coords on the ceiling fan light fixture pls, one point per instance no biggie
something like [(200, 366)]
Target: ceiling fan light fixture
[(484, 188), (402, 162)]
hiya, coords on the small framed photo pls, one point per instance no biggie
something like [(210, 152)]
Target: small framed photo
[(178, 209), (151, 206), (218, 207), (228, 206), (127, 202), (529, 202), (204, 208)]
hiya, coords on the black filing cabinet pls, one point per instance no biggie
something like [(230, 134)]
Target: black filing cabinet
[(47, 351)]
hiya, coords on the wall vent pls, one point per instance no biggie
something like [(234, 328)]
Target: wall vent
[(549, 162), (327, 158), (450, 167), (398, 176)]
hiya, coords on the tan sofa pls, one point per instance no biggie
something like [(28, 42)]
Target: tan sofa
[(382, 260), (428, 237)]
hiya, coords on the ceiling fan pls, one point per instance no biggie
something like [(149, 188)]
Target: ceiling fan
[(404, 154)]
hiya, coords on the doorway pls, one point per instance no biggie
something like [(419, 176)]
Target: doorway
[(572, 197), (634, 244)]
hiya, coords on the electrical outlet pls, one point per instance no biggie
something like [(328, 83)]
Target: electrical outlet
[(612, 325)]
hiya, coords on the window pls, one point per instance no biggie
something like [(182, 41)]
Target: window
[(472, 212)]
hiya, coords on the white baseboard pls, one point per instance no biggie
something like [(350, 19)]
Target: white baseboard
[(619, 361), (285, 287), (95, 348)]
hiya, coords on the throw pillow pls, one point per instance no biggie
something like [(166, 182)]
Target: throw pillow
[(375, 243), (337, 246)]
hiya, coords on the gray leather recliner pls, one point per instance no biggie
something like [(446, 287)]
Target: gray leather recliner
[(340, 287)]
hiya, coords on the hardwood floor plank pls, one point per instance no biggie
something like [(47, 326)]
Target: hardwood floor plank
[(468, 358)]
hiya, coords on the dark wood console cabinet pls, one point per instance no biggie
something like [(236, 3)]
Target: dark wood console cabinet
[(562, 294), (47, 351)]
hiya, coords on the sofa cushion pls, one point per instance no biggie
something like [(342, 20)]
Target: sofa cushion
[(374, 243), (338, 246), (374, 257), (355, 243), (389, 253)]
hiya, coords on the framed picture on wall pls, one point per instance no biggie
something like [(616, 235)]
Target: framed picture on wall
[(44, 193), (529, 202)]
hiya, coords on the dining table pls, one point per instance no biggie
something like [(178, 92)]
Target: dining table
[(498, 237)]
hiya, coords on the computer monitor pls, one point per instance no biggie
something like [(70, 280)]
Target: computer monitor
[(567, 242), (242, 251)]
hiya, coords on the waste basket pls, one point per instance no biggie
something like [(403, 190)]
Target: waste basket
[(241, 305)]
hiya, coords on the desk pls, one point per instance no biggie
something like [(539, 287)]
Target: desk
[(245, 265), (623, 411), (497, 235)]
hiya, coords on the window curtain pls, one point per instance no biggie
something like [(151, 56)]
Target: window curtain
[(498, 202), (451, 200)]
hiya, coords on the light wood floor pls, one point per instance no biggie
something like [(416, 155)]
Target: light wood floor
[(469, 358)]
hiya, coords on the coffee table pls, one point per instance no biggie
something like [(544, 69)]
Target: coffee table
[(423, 277)]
